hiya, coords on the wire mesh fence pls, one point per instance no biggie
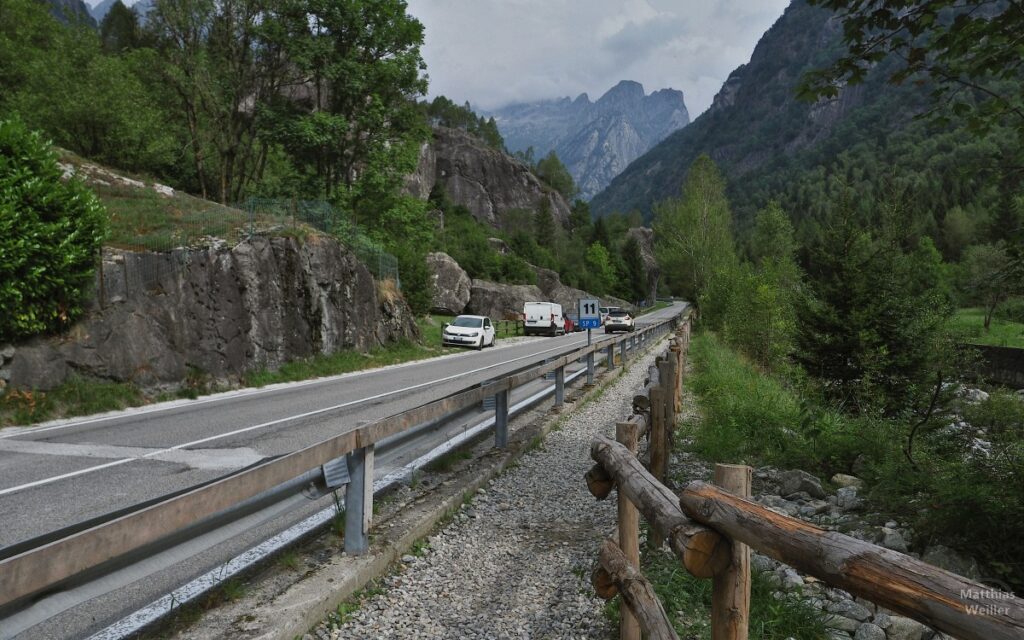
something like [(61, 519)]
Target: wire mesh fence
[(155, 244)]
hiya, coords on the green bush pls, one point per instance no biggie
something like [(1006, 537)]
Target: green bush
[(50, 234), (1012, 310)]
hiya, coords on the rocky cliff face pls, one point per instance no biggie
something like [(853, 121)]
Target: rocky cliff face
[(487, 182), (221, 311), (756, 119), (595, 140)]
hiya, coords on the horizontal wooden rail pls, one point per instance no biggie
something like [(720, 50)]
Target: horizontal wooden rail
[(938, 598), (37, 569), (616, 576), (703, 551)]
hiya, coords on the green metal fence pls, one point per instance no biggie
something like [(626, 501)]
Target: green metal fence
[(270, 215)]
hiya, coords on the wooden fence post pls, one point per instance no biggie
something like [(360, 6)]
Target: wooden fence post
[(730, 590), (629, 532), (667, 376), (659, 449)]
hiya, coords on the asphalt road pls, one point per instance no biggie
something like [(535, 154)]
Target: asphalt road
[(59, 474)]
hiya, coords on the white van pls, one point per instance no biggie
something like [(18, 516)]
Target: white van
[(543, 318)]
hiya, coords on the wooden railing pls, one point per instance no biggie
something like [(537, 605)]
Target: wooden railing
[(711, 530)]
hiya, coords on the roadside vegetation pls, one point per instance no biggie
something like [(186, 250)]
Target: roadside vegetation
[(687, 601), (849, 363), (1004, 330)]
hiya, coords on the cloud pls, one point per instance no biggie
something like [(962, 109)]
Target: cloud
[(493, 52)]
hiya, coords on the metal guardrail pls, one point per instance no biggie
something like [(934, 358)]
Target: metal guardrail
[(48, 566)]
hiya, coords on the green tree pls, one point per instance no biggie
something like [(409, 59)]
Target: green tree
[(970, 50), (119, 30), (580, 220), (871, 322), (633, 285), (360, 63), (544, 224), (761, 318), (988, 277), (693, 236), (599, 268), (50, 235), (552, 171)]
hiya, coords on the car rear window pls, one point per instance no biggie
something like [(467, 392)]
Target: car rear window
[(619, 313)]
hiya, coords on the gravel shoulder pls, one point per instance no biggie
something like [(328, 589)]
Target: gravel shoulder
[(515, 560)]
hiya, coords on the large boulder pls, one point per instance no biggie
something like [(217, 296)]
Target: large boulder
[(554, 291), (501, 301), (451, 284), (488, 182)]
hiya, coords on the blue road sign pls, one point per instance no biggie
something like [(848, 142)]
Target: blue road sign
[(590, 323)]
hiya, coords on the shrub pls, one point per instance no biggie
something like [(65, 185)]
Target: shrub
[(50, 233)]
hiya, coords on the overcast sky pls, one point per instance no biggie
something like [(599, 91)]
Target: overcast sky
[(494, 52)]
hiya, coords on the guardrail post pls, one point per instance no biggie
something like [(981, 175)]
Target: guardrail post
[(501, 419), (622, 351), (359, 500), (590, 368), (611, 355), (730, 590), (560, 386), (629, 531)]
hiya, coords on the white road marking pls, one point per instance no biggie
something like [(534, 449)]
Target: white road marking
[(264, 425)]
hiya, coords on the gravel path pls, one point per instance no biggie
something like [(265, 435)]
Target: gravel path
[(516, 561)]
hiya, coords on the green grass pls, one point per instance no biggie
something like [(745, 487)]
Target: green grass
[(78, 396), (658, 306), (141, 218), (687, 601), (970, 323)]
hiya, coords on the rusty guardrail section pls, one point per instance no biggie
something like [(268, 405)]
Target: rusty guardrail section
[(46, 567), (711, 529)]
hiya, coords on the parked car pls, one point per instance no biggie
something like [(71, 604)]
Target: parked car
[(573, 317), (543, 318), (618, 320), (468, 331)]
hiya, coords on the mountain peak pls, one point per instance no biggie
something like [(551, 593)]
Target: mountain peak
[(626, 91)]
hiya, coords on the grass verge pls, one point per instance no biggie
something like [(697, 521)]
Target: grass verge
[(970, 323), (952, 494), (687, 601)]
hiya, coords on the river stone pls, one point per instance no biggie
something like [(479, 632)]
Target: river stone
[(796, 480), (945, 558), (841, 623), (850, 609), (848, 500), (451, 284), (901, 628), (869, 631), (844, 480), (893, 539)]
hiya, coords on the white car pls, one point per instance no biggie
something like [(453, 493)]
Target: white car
[(469, 331)]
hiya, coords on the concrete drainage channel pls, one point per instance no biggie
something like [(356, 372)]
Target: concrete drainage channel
[(300, 605)]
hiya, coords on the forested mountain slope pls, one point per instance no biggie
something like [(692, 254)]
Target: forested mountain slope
[(770, 145)]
